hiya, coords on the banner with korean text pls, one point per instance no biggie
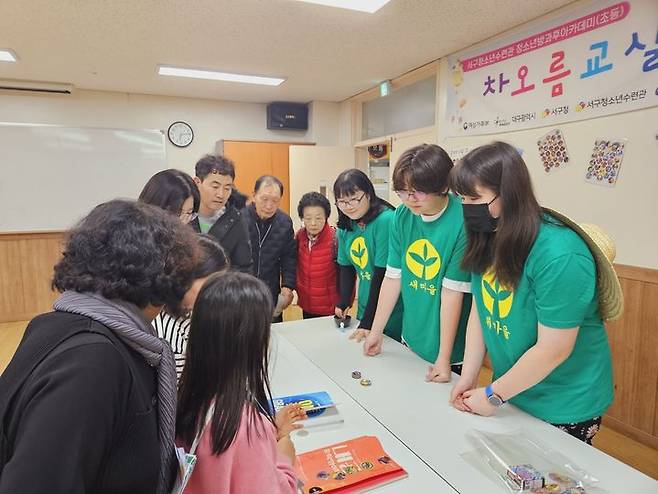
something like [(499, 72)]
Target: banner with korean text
[(596, 60)]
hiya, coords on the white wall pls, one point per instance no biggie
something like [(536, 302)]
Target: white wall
[(324, 119), (211, 120)]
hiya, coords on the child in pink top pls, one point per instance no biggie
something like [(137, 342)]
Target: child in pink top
[(243, 448)]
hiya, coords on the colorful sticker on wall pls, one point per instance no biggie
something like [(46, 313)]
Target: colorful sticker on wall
[(605, 162), (553, 151)]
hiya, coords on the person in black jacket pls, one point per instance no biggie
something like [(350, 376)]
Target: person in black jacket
[(87, 403), (273, 245), (220, 212)]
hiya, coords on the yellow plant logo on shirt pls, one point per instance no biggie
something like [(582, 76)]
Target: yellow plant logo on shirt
[(497, 298), (498, 301), (423, 260), (359, 252)]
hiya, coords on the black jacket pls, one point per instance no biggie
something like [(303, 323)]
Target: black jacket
[(79, 412), (275, 256), (232, 233)]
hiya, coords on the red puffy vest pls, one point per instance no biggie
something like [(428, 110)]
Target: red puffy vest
[(316, 272)]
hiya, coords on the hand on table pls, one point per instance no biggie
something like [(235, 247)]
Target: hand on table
[(373, 344), (476, 402), (457, 394), (359, 334), (440, 372)]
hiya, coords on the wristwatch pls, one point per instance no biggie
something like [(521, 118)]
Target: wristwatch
[(492, 397)]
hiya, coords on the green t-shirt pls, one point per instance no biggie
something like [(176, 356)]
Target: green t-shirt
[(557, 289), (365, 249), (427, 255), (204, 226)]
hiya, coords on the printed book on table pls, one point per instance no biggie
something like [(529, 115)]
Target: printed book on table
[(348, 467), (319, 407)]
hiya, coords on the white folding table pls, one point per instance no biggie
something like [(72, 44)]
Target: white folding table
[(293, 373), (418, 413)]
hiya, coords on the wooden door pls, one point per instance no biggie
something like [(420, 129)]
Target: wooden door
[(254, 159)]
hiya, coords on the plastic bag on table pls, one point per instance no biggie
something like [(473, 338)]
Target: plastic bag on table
[(519, 462)]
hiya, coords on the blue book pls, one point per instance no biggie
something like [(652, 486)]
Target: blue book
[(314, 404), (319, 407)]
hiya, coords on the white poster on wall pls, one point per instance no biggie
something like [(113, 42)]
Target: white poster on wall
[(599, 59)]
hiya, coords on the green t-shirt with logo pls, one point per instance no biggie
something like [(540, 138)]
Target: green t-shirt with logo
[(557, 289), (365, 249), (429, 255)]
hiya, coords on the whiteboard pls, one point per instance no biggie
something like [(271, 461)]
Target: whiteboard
[(51, 175)]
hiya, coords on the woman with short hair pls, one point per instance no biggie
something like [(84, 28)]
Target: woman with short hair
[(88, 401)]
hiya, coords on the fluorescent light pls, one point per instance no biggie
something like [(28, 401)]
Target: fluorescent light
[(219, 76), (7, 56), (370, 6)]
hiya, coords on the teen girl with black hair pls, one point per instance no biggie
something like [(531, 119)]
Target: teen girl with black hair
[(364, 221)]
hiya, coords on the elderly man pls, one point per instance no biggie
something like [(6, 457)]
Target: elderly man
[(273, 247)]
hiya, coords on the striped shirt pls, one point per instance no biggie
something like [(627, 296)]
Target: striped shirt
[(175, 332)]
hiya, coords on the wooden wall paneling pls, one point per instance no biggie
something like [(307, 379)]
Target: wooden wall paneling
[(643, 383), (11, 281), (646, 275), (26, 264), (622, 335), (634, 346), (38, 258), (649, 358)]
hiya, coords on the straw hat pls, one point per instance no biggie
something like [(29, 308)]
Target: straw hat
[(611, 298)]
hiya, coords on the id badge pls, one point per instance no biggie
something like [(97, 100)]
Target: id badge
[(186, 463)]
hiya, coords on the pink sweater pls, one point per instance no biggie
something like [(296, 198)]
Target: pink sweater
[(253, 465)]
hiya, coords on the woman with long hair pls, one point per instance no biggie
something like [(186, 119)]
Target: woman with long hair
[(537, 308)]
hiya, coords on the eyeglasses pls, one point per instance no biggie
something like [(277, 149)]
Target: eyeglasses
[(343, 203), (416, 194), (187, 217)]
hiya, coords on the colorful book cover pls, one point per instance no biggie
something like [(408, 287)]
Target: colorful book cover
[(312, 403), (348, 467)]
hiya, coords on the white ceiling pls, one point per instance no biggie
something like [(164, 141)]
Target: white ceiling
[(326, 53)]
